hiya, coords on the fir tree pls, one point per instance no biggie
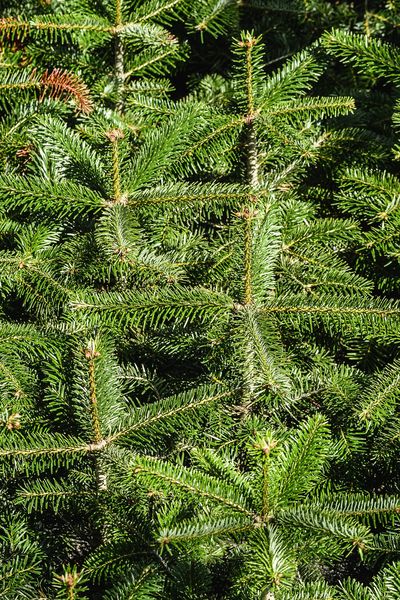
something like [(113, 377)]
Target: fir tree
[(182, 413)]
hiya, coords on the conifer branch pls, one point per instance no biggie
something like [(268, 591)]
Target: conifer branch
[(248, 243), (381, 312), (195, 483), (12, 27), (91, 354), (249, 42), (159, 11), (143, 269), (119, 58), (146, 418), (265, 508), (56, 84), (59, 82), (231, 123), (115, 135)]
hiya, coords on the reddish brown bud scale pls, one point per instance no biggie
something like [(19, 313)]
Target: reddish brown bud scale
[(114, 135)]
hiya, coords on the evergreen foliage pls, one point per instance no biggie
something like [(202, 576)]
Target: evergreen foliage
[(199, 300)]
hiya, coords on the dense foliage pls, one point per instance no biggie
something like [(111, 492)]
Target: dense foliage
[(199, 298)]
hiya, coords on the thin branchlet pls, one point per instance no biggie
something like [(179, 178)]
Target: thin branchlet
[(115, 136), (119, 58), (91, 354)]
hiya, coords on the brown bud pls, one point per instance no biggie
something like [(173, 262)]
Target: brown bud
[(69, 579), (115, 134), (25, 151), (171, 38), (247, 213), (122, 199), (164, 541), (14, 422), (258, 522), (90, 351)]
